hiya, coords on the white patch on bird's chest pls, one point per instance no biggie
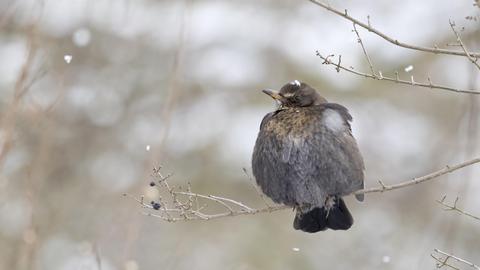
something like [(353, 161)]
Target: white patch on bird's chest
[(333, 120), (297, 140), (290, 146)]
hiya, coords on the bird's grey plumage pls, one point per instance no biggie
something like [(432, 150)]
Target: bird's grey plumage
[(304, 162)]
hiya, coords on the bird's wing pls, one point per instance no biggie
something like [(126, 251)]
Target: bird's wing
[(349, 142), (330, 158)]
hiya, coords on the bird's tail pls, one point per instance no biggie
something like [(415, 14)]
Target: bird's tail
[(335, 217)]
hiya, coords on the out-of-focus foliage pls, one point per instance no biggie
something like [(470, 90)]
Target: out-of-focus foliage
[(121, 86)]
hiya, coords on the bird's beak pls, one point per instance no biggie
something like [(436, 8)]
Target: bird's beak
[(274, 94)]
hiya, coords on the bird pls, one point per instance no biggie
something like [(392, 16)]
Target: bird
[(306, 157)]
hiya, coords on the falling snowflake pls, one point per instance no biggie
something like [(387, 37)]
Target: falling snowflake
[(386, 259), (147, 147), (296, 249), (81, 37), (409, 68), (67, 58)]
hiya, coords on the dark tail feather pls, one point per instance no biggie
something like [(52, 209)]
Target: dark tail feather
[(319, 219), (312, 221), (339, 217)]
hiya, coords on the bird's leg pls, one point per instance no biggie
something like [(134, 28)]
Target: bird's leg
[(329, 203)]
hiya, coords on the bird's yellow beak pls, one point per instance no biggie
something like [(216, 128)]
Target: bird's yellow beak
[(274, 94)]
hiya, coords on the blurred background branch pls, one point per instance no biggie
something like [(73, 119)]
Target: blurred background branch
[(9, 118)]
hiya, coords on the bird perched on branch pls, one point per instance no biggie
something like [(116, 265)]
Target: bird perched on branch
[(306, 157)]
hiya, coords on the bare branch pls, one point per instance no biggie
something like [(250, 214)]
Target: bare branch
[(422, 179), (441, 262), (327, 60), (453, 207), (184, 205), (473, 59), (368, 27), (359, 40)]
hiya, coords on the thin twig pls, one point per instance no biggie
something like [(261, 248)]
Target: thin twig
[(368, 27), (441, 262), (473, 59), (430, 84), (453, 207), (165, 214), (241, 205), (422, 179), (359, 40), (444, 262), (259, 192), (210, 197)]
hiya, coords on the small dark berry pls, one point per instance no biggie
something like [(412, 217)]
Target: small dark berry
[(152, 184), (156, 206)]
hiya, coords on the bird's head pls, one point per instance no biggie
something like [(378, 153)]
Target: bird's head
[(296, 94)]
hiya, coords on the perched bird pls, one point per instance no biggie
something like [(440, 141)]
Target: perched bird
[(306, 157)]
